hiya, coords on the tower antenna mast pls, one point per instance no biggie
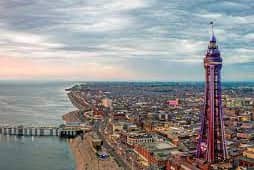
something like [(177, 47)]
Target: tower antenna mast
[(211, 23)]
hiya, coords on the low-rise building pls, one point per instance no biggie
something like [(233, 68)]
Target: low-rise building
[(155, 154), (247, 160), (139, 138)]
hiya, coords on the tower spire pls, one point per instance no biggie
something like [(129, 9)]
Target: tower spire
[(211, 23), (213, 38)]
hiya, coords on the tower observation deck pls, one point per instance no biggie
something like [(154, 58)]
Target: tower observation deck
[(211, 144)]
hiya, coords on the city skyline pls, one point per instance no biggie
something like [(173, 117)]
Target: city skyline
[(123, 40)]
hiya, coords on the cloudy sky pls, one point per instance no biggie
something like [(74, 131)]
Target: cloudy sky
[(123, 39)]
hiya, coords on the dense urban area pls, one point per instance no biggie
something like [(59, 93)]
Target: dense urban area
[(155, 125)]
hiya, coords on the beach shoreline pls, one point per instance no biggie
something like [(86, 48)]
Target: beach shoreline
[(83, 153), (85, 157)]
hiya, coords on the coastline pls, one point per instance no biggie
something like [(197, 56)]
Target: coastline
[(85, 157), (83, 153), (73, 144)]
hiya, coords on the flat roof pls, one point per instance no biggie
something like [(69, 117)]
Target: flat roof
[(247, 159), (156, 146)]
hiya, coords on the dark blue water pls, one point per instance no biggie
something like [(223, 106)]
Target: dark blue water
[(34, 103)]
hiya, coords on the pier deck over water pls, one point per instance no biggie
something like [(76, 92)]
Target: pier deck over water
[(61, 131)]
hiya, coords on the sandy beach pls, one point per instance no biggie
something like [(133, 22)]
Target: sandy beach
[(86, 158)]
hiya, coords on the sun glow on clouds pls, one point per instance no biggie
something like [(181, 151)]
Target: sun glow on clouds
[(16, 68), (121, 39)]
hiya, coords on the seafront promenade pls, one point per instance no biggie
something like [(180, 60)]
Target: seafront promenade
[(86, 158), (84, 154)]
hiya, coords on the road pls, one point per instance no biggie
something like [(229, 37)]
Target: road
[(99, 126)]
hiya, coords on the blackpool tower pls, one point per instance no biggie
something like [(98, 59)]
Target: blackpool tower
[(211, 144)]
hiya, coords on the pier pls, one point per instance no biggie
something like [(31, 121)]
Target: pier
[(64, 131)]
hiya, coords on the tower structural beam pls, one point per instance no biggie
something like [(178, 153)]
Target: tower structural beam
[(211, 144)]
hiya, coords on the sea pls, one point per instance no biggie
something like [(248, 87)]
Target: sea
[(34, 103)]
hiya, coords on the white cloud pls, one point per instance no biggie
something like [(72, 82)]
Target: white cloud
[(103, 25), (101, 15), (121, 32), (115, 5), (249, 36), (238, 59), (24, 38)]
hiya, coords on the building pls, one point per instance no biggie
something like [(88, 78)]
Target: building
[(106, 102), (162, 116), (174, 134), (179, 162), (135, 138), (118, 116), (245, 117), (96, 142), (173, 103), (249, 153), (247, 160), (155, 154), (211, 145)]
